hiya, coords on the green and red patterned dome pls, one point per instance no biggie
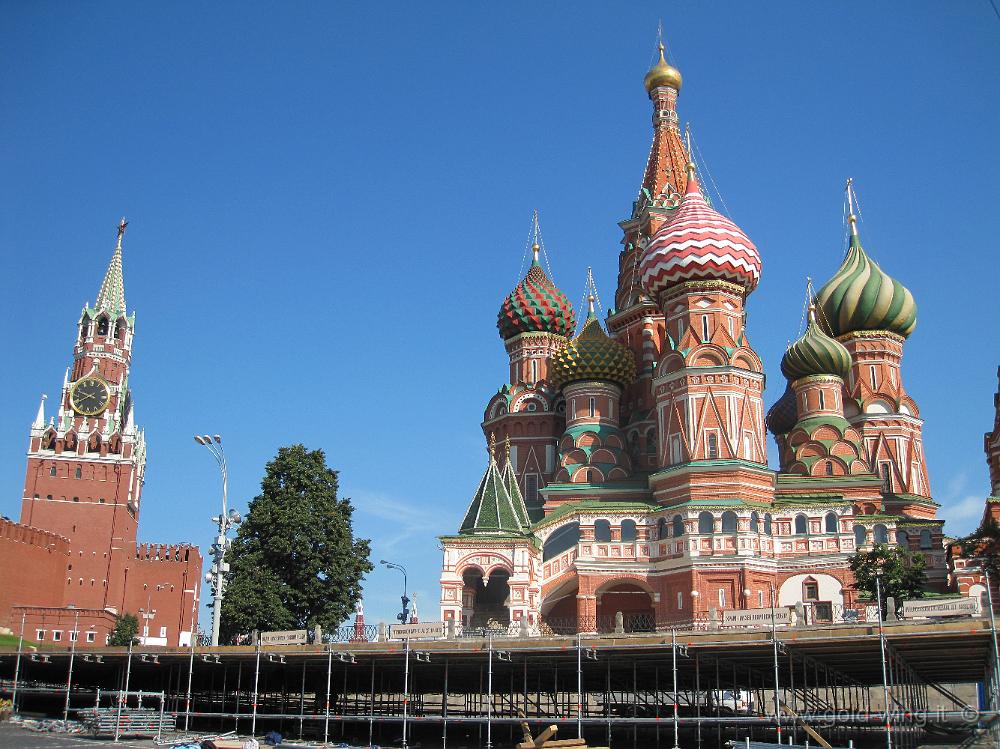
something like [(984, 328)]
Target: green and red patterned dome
[(536, 305), (593, 356)]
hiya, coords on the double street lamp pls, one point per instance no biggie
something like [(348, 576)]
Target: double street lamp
[(404, 615), (216, 576)]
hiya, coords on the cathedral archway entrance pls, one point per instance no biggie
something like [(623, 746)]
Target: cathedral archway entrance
[(632, 600), (487, 600)]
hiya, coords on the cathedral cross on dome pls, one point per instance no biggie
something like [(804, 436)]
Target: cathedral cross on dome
[(121, 231)]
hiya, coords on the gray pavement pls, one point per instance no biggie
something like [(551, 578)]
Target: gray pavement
[(13, 736)]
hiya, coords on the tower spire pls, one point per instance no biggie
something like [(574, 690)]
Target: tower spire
[(851, 218), (40, 416), (111, 297)]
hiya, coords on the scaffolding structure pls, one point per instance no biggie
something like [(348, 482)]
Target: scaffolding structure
[(671, 689)]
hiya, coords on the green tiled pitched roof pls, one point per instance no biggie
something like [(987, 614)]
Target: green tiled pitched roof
[(493, 509), (111, 297)]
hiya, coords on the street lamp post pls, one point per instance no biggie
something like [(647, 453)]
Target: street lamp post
[(885, 677), (74, 635), (405, 613), (149, 612), (216, 576)]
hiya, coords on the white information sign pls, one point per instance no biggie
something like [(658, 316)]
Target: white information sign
[(755, 617), (941, 607), (288, 637), (423, 630)]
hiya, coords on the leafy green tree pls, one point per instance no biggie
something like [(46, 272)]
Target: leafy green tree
[(125, 630), (903, 573), (295, 562), (983, 545)]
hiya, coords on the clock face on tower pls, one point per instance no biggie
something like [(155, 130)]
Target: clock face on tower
[(90, 396)]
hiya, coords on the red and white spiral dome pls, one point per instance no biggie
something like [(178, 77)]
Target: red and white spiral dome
[(698, 244)]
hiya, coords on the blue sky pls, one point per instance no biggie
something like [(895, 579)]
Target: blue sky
[(328, 202)]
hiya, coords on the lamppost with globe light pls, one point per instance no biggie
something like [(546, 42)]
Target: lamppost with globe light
[(216, 576)]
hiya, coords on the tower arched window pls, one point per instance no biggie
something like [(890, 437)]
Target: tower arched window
[(925, 539), (102, 326), (754, 522), (593, 407), (704, 328), (120, 330), (52, 471), (706, 522), (662, 529), (801, 525), (768, 525), (713, 446), (78, 473), (829, 468), (831, 522), (629, 533), (729, 522), (84, 330), (677, 529), (651, 442), (602, 530), (881, 534), (822, 399), (902, 539), (534, 370), (860, 536)]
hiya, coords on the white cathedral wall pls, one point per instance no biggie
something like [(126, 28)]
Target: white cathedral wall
[(830, 589)]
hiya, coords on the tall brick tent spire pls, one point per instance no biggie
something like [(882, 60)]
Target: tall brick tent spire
[(111, 297), (665, 178)]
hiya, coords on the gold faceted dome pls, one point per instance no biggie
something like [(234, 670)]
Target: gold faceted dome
[(663, 74)]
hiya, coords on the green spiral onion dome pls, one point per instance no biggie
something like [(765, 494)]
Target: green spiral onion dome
[(536, 305), (815, 353), (860, 296), (593, 356), (783, 415)]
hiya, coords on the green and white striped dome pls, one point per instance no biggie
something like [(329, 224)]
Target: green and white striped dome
[(815, 353), (862, 297)]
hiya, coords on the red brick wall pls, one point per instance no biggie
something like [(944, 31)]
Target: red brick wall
[(164, 579), (31, 569)]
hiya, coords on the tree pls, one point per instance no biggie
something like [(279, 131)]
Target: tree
[(983, 545), (125, 629), (903, 573), (295, 562)]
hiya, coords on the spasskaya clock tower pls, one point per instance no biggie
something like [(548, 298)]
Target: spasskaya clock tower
[(85, 464)]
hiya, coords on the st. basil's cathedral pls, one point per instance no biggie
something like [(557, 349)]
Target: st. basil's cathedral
[(628, 469)]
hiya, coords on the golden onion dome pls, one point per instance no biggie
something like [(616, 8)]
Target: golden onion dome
[(663, 74), (592, 355)]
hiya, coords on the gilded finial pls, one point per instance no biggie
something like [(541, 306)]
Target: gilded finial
[(687, 138), (506, 448), (121, 232), (851, 218), (493, 446), (536, 236)]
